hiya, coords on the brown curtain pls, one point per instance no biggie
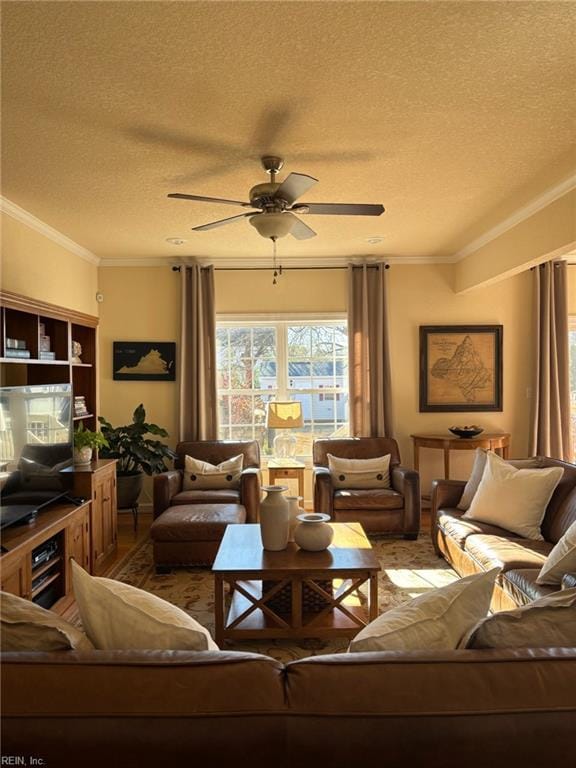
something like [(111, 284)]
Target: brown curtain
[(198, 395), (551, 423), (369, 352)]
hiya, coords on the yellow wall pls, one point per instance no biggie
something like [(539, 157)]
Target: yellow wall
[(551, 230), (313, 290), (422, 295), (572, 289), (140, 304), (143, 303), (37, 267)]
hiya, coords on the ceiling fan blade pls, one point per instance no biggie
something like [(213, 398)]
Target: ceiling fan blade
[(339, 209), (201, 198), (221, 223), (294, 185), (301, 231)]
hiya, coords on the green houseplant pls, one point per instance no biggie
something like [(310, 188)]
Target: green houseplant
[(135, 453), (85, 441)]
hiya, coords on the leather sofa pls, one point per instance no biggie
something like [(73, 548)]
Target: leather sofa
[(189, 524), (471, 546), (503, 709), (394, 511)]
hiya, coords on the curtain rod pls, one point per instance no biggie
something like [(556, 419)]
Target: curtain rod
[(176, 268)]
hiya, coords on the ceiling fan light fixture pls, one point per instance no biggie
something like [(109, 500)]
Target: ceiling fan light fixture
[(272, 225)]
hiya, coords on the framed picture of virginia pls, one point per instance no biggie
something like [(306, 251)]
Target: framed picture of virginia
[(461, 368), (144, 361)]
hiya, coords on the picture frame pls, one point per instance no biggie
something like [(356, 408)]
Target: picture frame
[(144, 361), (460, 368)]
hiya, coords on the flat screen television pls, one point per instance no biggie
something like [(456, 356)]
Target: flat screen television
[(36, 444)]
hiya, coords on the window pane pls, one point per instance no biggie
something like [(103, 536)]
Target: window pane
[(252, 370)]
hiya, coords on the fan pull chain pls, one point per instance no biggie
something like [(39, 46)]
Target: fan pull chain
[(275, 281)]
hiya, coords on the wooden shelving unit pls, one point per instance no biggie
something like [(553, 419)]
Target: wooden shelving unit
[(21, 318), (86, 533)]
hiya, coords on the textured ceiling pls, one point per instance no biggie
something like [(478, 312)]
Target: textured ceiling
[(451, 114)]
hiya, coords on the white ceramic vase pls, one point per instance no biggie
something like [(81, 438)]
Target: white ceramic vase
[(313, 532), (274, 518), (82, 455), (294, 510)]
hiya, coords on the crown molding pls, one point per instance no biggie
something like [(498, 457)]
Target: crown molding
[(13, 210), (264, 262), (535, 205)]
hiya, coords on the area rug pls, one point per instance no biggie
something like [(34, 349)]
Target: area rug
[(409, 568)]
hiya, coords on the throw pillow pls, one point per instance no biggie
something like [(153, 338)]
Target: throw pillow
[(561, 560), (203, 476), (549, 622), (28, 627), (117, 616), (478, 470), (513, 499), (360, 473), (434, 621)]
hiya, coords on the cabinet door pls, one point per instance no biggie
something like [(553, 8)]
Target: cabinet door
[(15, 576), (104, 518), (98, 554), (77, 541)]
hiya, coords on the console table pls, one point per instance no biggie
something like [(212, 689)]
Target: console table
[(496, 441)]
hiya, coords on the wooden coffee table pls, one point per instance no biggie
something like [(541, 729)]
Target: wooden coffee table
[(307, 594)]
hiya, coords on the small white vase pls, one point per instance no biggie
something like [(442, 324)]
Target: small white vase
[(274, 518), (82, 455), (294, 511), (313, 532)]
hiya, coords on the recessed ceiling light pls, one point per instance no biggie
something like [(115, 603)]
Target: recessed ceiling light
[(175, 240), (375, 239)]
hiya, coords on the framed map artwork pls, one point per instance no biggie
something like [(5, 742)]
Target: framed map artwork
[(144, 361), (460, 368)]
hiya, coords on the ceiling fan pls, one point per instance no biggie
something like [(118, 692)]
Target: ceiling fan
[(276, 205)]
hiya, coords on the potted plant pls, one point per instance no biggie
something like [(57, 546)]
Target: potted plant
[(136, 454), (85, 442)]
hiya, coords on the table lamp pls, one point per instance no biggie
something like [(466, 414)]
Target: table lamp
[(285, 416)]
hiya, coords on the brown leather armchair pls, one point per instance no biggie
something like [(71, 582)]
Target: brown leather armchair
[(394, 511), (168, 485)]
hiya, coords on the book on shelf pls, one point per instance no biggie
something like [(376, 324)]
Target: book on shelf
[(18, 344), (42, 355), (19, 353)]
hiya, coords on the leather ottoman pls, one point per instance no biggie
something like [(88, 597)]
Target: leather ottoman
[(190, 534)]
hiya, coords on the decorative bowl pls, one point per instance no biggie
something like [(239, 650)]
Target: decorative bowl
[(466, 432)]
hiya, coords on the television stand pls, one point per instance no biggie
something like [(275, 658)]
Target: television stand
[(35, 561)]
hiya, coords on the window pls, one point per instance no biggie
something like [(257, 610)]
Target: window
[(304, 360)]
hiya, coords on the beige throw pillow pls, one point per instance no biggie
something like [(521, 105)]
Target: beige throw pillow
[(435, 621), (360, 473), (478, 470), (203, 476), (28, 627), (549, 622), (117, 616), (561, 560), (513, 499)]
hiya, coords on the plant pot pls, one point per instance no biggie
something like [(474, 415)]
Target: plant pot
[(313, 532), (128, 489), (82, 456), (274, 518)]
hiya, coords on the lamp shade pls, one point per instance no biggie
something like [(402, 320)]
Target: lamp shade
[(285, 415)]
